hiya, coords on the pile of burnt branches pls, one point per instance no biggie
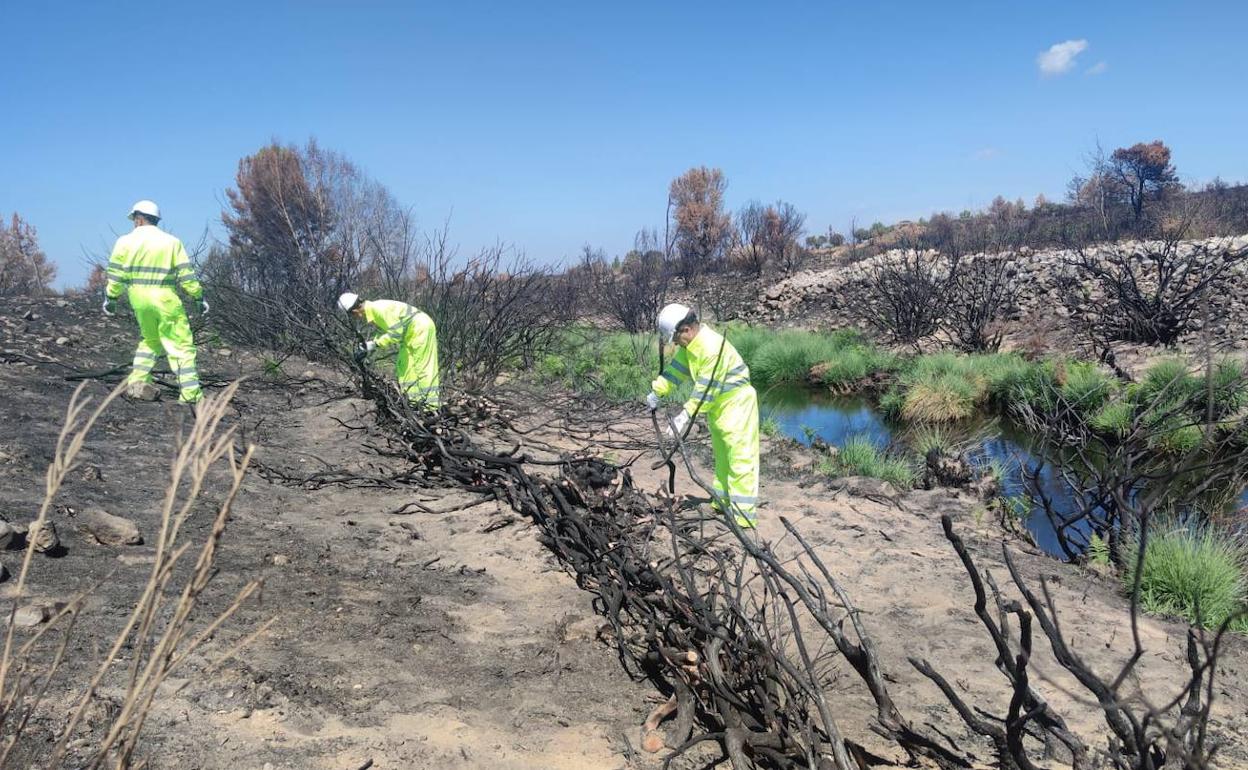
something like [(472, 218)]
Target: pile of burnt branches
[(738, 637)]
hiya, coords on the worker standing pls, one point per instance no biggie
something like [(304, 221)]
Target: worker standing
[(147, 264), (722, 391), (416, 366)]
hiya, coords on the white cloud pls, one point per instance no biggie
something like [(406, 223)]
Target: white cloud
[(1098, 68), (1060, 58), (986, 153)]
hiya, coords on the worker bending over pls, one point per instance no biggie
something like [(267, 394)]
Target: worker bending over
[(416, 366), (147, 264), (722, 392)]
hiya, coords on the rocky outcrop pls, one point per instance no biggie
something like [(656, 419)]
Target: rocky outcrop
[(824, 297)]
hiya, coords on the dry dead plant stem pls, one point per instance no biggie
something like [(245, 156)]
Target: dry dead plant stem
[(14, 685), (159, 629)]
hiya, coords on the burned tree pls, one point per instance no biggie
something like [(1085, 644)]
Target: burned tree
[(982, 291), (903, 297), (24, 268), (633, 294), (702, 228), (782, 226), (751, 222), (1152, 292)]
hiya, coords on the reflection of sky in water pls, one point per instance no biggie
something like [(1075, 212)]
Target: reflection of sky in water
[(835, 419)]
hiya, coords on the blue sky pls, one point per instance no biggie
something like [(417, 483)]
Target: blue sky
[(551, 125)]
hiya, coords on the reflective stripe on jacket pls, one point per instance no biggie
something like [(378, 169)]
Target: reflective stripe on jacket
[(697, 362), (149, 257)]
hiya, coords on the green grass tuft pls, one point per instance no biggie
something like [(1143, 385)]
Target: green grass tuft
[(860, 457), (769, 427), (788, 357), (1196, 574)]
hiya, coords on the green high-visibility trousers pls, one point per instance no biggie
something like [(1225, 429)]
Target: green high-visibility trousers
[(416, 366), (166, 331), (734, 437)]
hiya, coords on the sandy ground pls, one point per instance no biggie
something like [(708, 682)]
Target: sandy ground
[(425, 640)]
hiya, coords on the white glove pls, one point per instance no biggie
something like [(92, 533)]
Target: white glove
[(108, 306), (368, 346), (203, 306), (652, 401), (678, 425)]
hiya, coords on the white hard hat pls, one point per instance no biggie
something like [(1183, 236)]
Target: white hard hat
[(146, 208), (669, 317), (348, 301)]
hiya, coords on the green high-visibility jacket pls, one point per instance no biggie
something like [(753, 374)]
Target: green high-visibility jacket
[(148, 257), (696, 363), (416, 366)]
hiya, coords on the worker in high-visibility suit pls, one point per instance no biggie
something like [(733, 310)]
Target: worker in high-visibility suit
[(147, 264), (416, 366), (721, 391)]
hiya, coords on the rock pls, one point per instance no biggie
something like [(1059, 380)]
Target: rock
[(863, 486), (309, 375), (44, 536), (63, 341), (225, 352), (91, 473), (142, 391), (62, 303), (29, 315), (7, 533), (280, 560), (108, 529), (35, 614), (30, 616)]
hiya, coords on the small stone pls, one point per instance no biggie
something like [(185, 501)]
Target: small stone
[(30, 616), (225, 352), (91, 473), (7, 533), (62, 303), (142, 391), (108, 529), (309, 375), (34, 614), (281, 560), (62, 341), (44, 536)]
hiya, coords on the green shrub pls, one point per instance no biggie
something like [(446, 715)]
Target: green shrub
[(946, 397), (1087, 387), (892, 401), (860, 457), (1114, 418), (1225, 392), (928, 438), (1197, 574), (788, 357), (854, 364), (1098, 551), (747, 340)]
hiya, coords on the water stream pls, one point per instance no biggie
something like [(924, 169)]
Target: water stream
[(803, 414)]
